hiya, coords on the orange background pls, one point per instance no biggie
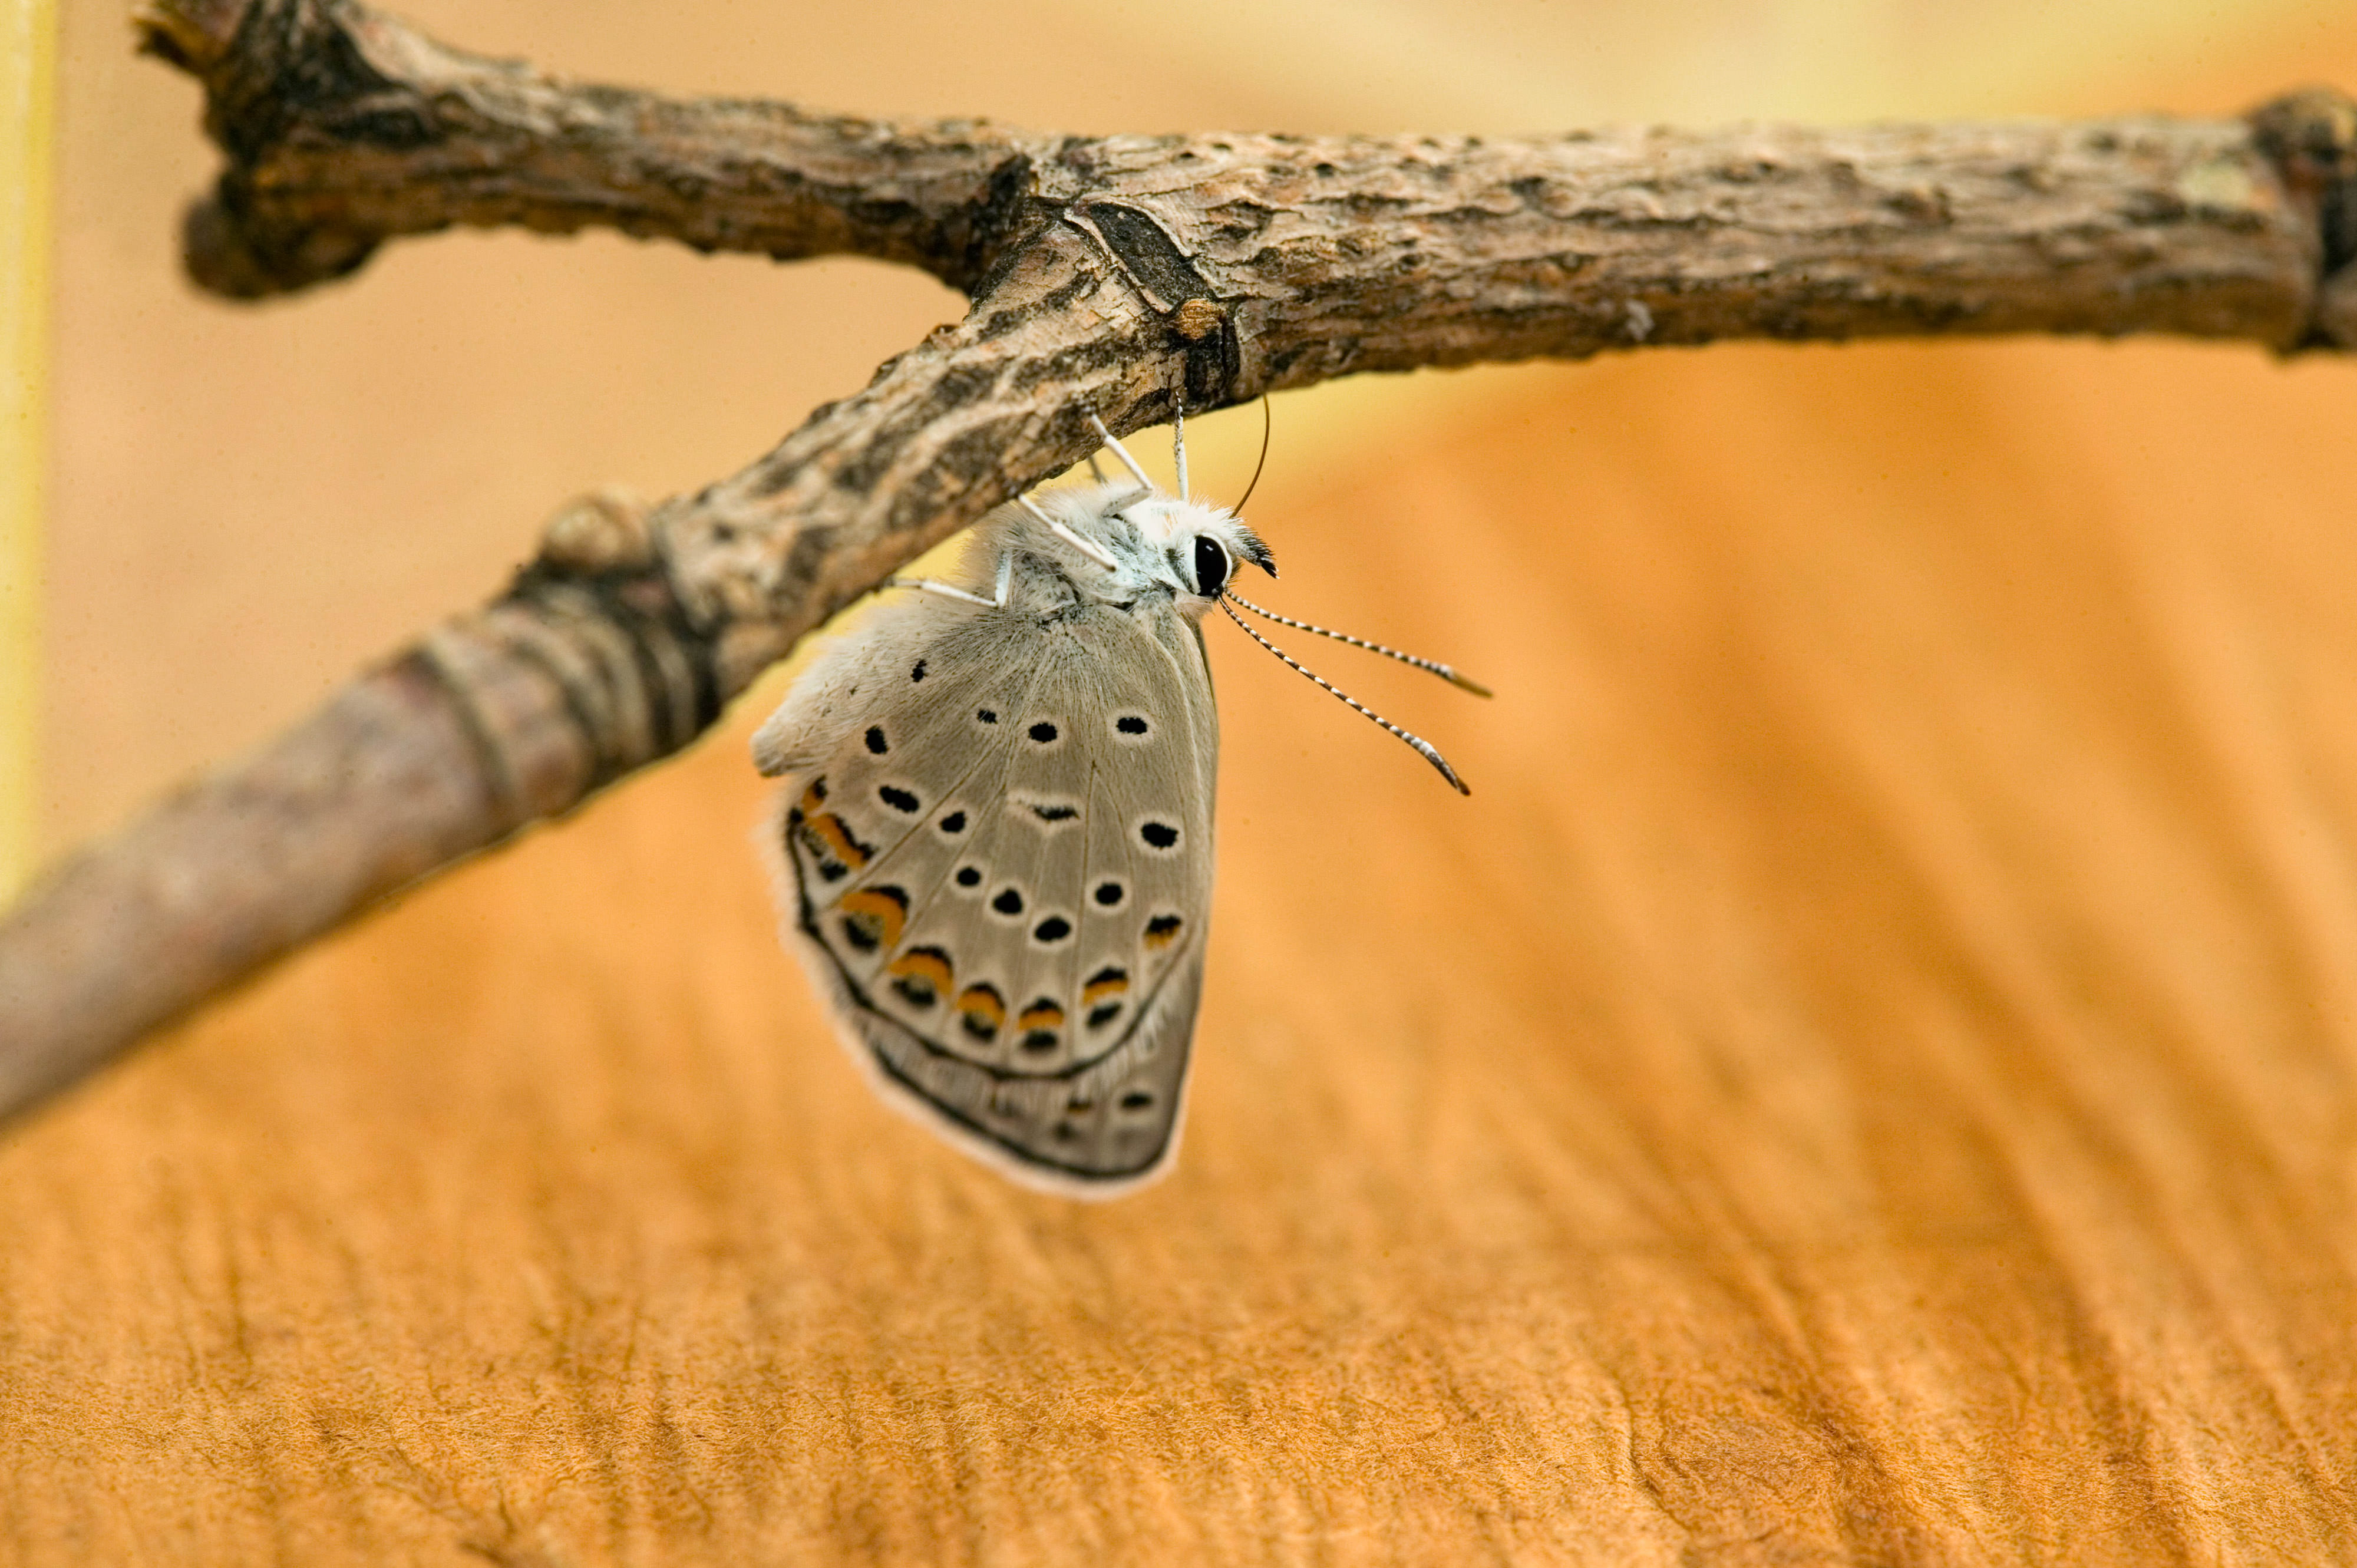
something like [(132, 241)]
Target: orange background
[(1869, 1074)]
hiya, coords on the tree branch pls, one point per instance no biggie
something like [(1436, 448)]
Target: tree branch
[(345, 127), (1117, 274)]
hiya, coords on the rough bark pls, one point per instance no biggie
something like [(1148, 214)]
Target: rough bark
[(1119, 273)]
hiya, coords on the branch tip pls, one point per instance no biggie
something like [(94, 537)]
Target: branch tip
[(236, 260), (190, 34)]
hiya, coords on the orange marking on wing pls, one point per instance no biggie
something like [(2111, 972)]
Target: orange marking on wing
[(813, 798), (1041, 1015), (981, 1002), (830, 832), (1104, 983), (925, 963), (876, 904), (1161, 931)]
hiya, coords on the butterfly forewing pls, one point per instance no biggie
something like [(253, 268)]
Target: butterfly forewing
[(1003, 869)]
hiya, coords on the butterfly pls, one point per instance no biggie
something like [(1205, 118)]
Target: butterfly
[(996, 832)]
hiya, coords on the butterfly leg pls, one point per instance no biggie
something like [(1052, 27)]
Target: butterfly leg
[(997, 601), (1179, 446), (1119, 451), (1088, 547), (947, 591)]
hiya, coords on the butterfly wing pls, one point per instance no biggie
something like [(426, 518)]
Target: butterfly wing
[(1001, 844)]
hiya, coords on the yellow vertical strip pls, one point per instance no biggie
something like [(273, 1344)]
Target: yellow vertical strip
[(28, 117)]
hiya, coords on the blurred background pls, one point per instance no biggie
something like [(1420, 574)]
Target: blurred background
[(248, 501), (1867, 1074)]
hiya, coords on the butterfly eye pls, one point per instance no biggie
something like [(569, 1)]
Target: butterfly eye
[(1211, 567)]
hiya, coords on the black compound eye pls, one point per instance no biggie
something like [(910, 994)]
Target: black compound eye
[(1211, 567)]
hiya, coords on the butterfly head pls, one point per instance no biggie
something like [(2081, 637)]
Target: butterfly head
[(1186, 548), (1199, 548)]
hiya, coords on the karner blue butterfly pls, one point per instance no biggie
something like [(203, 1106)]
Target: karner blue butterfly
[(998, 825)]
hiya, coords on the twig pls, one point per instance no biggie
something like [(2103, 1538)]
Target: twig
[(1108, 272)]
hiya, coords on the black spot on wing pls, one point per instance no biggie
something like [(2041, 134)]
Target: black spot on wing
[(969, 877), (899, 800), (1052, 930), (1130, 724), (1109, 894), (876, 741), (1008, 902), (1043, 732), (1159, 835)]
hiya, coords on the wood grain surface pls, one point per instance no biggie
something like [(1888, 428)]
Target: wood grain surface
[(1869, 1076)]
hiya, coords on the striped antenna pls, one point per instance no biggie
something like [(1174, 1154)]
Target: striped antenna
[(1424, 747), (1445, 672)]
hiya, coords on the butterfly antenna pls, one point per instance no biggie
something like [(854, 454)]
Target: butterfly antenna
[(1446, 673), (1424, 747), (1265, 421)]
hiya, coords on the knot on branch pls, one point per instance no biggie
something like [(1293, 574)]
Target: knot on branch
[(605, 531), (2312, 138), (587, 668)]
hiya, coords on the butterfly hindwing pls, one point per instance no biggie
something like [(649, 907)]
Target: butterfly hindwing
[(1001, 842)]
